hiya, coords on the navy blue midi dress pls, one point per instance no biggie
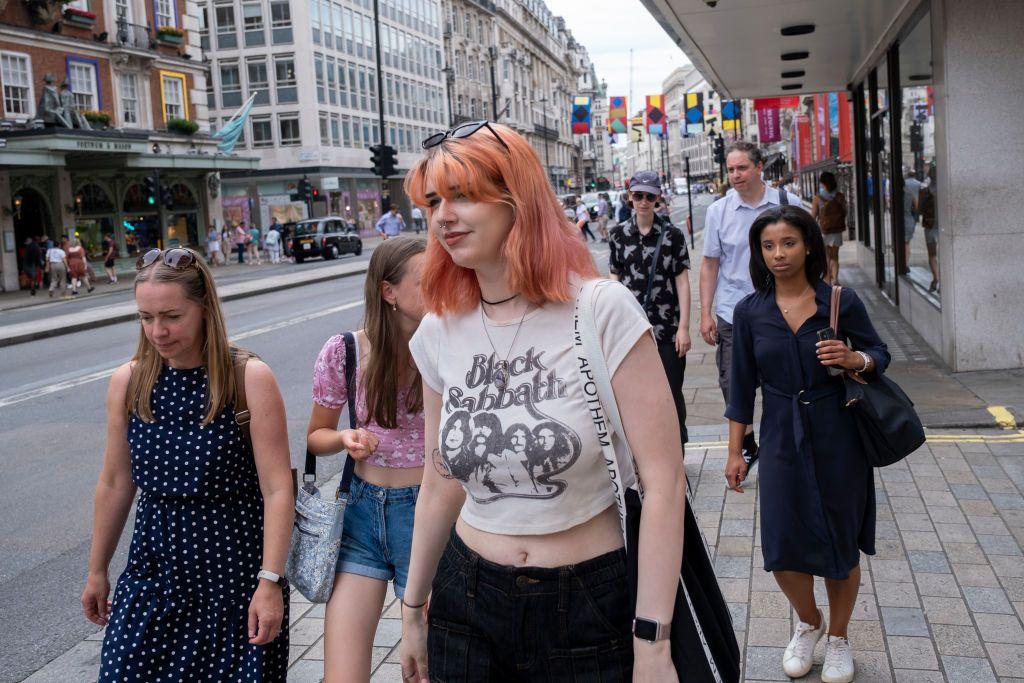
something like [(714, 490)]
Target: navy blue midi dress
[(180, 609), (816, 488)]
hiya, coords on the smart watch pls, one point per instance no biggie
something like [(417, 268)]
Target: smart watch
[(271, 577), (650, 630)]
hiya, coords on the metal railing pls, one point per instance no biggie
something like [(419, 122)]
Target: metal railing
[(133, 35)]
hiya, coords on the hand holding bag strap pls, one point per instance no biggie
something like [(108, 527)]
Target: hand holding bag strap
[(309, 471)]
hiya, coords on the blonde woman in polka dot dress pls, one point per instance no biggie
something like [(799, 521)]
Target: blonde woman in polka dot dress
[(213, 511)]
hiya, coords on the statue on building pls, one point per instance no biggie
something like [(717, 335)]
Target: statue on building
[(50, 108), (71, 112)]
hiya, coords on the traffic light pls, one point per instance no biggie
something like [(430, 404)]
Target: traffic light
[(166, 197), (384, 159), (150, 189), (720, 149), (303, 192), (316, 194)]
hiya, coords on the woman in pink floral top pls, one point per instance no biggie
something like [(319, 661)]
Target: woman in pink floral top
[(387, 444)]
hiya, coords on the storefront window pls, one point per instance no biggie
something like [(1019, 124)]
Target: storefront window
[(917, 133), (884, 221)]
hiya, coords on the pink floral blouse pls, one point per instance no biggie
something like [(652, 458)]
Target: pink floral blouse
[(399, 447)]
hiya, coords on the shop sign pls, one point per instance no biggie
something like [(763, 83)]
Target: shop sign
[(108, 146), (329, 183)]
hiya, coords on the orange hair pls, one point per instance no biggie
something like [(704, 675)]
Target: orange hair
[(543, 248)]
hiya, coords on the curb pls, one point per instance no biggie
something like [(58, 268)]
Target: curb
[(114, 318), (992, 417)]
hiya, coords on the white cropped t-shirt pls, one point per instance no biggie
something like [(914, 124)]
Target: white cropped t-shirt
[(528, 454)]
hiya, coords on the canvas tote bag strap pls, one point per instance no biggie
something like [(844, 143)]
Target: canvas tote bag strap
[(309, 469), (833, 310)]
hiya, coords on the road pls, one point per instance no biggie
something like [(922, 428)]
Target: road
[(51, 424)]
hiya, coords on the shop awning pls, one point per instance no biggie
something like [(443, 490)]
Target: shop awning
[(738, 44)]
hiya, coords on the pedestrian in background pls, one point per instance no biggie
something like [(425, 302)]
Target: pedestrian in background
[(930, 223), (391, 223), (273, 244), (816, 489), (254, 246), (417, 219), (724, 269), (583, 221), (57, 267), (603, 211), (625, 208), (226, 244), (649, 256), (203, 595), (31, 262), (241, 236), (517, 465), (78, 267), (213, 246), (109, 260), (829, 208), (387, 444), (911, 191)]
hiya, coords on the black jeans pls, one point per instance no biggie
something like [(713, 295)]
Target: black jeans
[(489, 622), (675, 369)]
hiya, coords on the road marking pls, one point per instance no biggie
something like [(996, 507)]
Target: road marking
[(101, 374), (1004, 418), (1016, 437)]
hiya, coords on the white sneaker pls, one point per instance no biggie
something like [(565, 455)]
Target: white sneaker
[(799, 655), (838, 666)]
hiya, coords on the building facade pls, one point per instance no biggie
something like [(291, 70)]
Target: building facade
[(312, 67), (134, 107)]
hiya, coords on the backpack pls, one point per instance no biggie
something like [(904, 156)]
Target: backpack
[(926, 207)]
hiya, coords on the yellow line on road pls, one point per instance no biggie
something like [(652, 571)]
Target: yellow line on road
[(1004, 418), (1015, 437)]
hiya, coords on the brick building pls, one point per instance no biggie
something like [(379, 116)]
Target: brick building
[(136, 74)]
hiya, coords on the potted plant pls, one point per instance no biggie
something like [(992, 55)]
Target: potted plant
[(171, 35), (97, 119), (79, 17), (183, 126)]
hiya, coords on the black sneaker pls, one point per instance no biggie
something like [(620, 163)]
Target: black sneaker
[(750, 453)]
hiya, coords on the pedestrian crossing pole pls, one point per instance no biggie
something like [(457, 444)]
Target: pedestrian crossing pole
[(689, 199), (385, 190)]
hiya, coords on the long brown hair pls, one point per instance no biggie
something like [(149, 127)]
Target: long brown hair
[(382, 375), (196, 282)]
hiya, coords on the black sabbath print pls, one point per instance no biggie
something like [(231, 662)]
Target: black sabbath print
[(522, 460)]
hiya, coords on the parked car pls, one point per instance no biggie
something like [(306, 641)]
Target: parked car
[(329, 237)]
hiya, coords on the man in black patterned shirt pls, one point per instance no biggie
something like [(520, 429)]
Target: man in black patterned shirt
[(649, 245)]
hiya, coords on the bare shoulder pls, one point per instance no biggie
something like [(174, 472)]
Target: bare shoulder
[(119, 380)]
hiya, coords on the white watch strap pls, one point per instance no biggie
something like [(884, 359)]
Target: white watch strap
[(268, 575)]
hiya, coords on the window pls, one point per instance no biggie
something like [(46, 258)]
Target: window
[(165, 15), (314, 19), (173, 95), (252, 18), (262, 132), (84, 86), (284, 73), (226, 37), (318, 70), (259, 81), (16, 74), (335, 130), (331, 81), (288, 126), (342, 85), (230, 85), (281, 21), (129, 99), (325, 129)]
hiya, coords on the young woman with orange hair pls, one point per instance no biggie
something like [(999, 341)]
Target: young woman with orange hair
[(530, 584)]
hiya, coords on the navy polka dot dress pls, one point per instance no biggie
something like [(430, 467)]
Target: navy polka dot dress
[(180, 609)]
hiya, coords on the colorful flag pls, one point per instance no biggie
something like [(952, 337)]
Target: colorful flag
[(731, 112), (694, 113), (768, 129), (655, 119), (618, 118), (231, 131), (580, 115)]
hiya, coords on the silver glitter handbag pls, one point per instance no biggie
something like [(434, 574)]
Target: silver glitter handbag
[(319, 521)]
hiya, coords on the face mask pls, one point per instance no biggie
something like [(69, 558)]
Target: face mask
[(825, 194)]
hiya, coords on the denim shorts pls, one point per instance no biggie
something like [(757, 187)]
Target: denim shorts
[(496, 623), (377, 540)]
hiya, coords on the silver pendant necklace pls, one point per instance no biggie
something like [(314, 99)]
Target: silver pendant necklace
[(501, 371)]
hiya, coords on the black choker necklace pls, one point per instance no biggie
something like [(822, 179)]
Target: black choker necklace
[(497, 303)]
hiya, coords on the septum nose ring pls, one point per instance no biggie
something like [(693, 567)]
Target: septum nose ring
[(444, 225)]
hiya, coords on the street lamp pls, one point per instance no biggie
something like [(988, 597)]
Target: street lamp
[(449, 76), (547, 160)]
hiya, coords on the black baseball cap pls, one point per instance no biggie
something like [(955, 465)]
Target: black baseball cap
[(645, 181)]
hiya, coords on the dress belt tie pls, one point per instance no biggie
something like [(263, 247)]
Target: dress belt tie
[(802, 398)]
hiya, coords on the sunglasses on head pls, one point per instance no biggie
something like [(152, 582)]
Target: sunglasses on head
[(177, 258), (646, 196), (463, 131)]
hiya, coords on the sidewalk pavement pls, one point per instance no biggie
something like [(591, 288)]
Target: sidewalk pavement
[(99, 316), (943, 598)]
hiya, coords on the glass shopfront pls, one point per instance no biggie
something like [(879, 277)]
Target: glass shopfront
[(895, 141)]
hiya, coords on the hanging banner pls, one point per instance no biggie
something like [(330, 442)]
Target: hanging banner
[(768, 129), (636, 129), (618, 117), (580, 115), (694, 113), (655, 119), (820, 124), (731, 111), (790, 102), (845, 128), (803, 142)]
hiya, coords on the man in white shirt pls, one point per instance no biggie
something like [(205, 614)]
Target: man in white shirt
[(417, 219), (57, 265), (583, 220), (725, 268)]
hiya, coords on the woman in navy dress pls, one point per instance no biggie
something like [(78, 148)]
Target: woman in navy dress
[(816, 487), (202, 597)]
